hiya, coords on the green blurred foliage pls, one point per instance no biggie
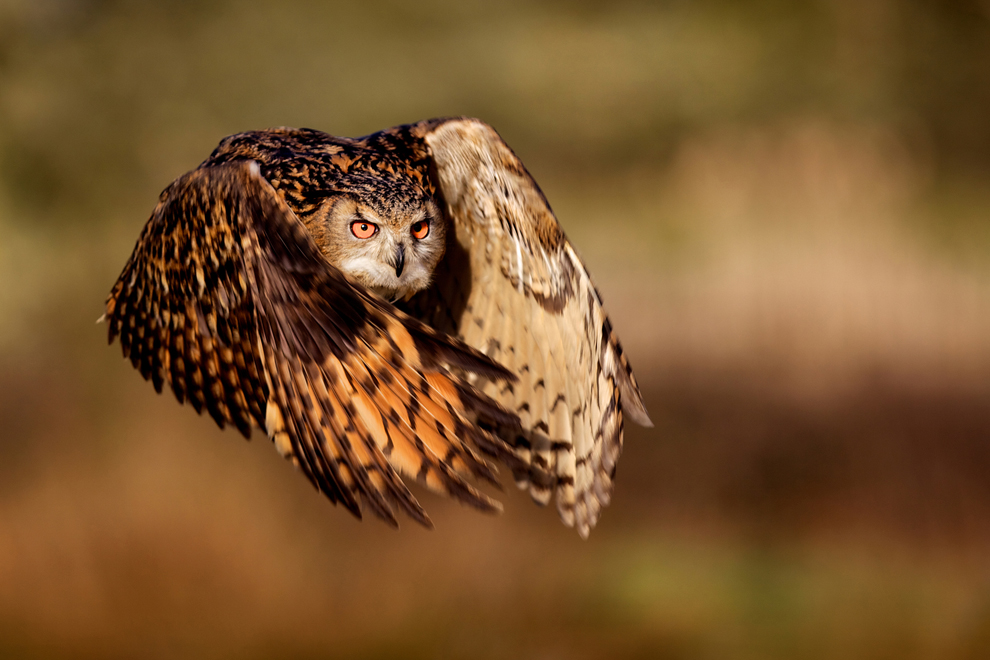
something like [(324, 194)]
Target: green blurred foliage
[(134, 88)]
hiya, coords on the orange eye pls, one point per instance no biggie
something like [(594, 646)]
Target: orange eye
[(363, 229), (421, 230)]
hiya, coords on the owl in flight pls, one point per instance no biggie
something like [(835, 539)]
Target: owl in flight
[(402, 304)]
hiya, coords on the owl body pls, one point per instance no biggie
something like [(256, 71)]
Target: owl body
[(399, 304)]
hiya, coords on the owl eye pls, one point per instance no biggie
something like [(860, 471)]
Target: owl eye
[(363, 229), (421, 229)]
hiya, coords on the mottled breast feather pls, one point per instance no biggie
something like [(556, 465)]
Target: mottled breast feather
[(508, 355)]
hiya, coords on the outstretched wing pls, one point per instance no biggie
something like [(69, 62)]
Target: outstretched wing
[(512, 286), (227, 298)]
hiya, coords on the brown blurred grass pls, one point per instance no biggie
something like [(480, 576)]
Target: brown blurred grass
[(786, 226)]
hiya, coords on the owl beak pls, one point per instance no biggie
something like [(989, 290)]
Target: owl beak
[(400, 259)]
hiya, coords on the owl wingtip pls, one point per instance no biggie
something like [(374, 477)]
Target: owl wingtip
[(423, 520), (639, 415), (632, 401)]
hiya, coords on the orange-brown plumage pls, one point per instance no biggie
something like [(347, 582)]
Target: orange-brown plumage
[(250, 293)]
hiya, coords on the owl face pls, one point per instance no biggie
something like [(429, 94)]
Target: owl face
[(389, 243)]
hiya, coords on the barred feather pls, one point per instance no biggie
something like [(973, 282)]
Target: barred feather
[(527, 301), (227, 298), (234, 298)]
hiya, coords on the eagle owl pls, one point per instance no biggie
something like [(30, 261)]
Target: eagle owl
[(402, 304)]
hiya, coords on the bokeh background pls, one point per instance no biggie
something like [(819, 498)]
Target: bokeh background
[(786, 207)]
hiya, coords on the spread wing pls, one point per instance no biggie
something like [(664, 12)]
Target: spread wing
[(512, 286), (227, 298)]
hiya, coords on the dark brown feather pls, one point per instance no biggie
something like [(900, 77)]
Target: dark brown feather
[(227, 298), (230, 298)]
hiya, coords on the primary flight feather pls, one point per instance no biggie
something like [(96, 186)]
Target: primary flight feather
[(399, 304)]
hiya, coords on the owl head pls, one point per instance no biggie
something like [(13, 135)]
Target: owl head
[(385, 233)]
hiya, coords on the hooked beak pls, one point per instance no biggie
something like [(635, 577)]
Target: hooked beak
[(400, 259)]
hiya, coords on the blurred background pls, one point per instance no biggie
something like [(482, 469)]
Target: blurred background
[(786, 207)]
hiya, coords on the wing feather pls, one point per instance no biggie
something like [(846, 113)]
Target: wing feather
[(227, 298), (521, 294)]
